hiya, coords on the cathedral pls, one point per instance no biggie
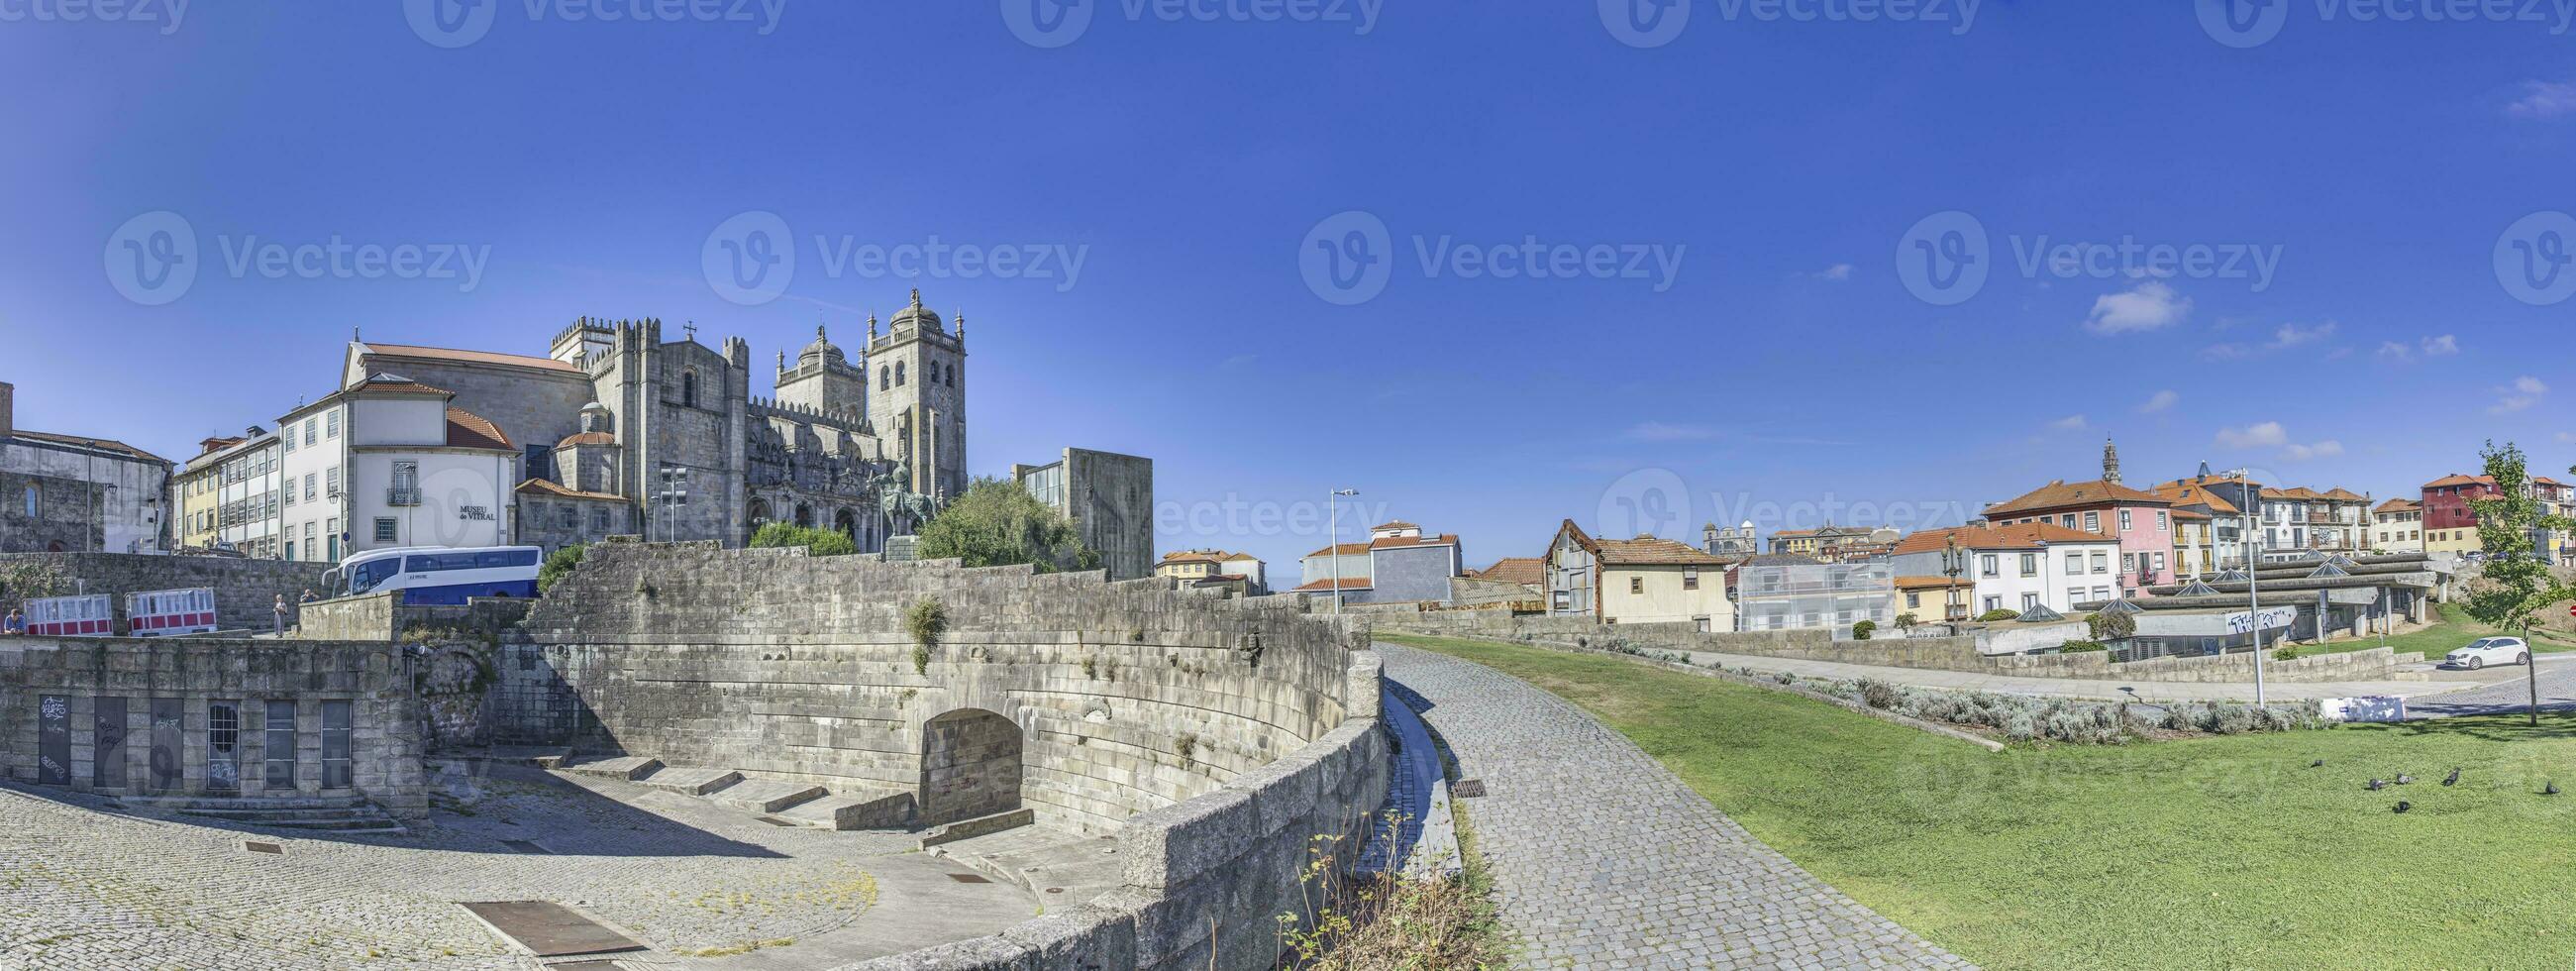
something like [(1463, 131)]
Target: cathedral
[(622, 432)]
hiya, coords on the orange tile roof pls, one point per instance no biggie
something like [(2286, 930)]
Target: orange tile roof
[(1341, 549), (2456, 479), (2190, 514), (1391, 542), (2066, 495), (2188, 493), (466, 429), (2341, 494), (587, 438), (2019, 536), (2301, 492), (2399, 505), (382, 385), (1395, 524), (543, 487), (1348, 583), (101, 444), (1650, 551), (1524, 570), (475, 357), (1920, 583)]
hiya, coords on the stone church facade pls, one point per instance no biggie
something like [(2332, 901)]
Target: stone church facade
[(616, 424)]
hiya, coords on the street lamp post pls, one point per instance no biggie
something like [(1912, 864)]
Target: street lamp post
[(1333, 542), (2254, 603)]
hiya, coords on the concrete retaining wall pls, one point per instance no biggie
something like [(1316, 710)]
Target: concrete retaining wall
[(245, 590), (83, 675)]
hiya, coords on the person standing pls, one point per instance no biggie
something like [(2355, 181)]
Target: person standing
[(280, 610)]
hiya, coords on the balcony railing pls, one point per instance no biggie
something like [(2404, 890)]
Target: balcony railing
[(402, 497)]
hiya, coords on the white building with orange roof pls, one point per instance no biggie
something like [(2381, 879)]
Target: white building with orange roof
[(2018, 566), (391, 462), (1398, 564), (2397, 526)]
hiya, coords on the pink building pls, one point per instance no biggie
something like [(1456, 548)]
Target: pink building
[(2141, 521)]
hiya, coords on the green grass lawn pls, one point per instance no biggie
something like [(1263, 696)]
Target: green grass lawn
[(2207, 853), (2455, 631)]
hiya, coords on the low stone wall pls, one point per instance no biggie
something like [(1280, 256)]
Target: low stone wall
[(1937, 653), (245, 590), (132, 716), (1212, 737), (383, 617), (368, 618)]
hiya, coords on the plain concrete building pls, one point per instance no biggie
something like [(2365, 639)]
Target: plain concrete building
[(76, 494), (1399, 564), (1110, 500)]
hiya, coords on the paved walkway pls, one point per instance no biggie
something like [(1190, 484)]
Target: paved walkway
[(1603, 859), (2442, 681)]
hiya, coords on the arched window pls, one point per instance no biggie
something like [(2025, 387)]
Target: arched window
[(885, 377), (898, 374), (689, 389), (31, 502), (951, 375)]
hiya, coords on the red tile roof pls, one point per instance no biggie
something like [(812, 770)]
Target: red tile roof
[(383, 385), (2188, 493), (1395, 524), (1342, 549), (1920, 583), (100, 444), (2069, 495), (587, 438), (1650, 551), (1391, 542), (2456, 479), (2399, 505), (466, 429), (1524, 570), (1326, 584), (2020, 536)]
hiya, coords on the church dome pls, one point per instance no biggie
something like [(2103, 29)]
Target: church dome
[(916, 317), (821, 350)]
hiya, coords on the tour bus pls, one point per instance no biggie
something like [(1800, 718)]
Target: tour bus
[(439, 576), (161, 613), (81, 616)]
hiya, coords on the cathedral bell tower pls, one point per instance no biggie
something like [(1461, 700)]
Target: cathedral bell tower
[(916, 380)]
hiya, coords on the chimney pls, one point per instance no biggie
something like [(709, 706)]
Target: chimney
[(8, 392)]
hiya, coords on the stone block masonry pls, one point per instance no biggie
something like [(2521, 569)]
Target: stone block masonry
[(204, 717), (245, 590), (1212, 738)]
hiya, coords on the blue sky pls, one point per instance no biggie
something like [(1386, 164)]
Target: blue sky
[(1761, 174)]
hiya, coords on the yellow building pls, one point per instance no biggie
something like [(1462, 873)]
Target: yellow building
[(196, 491), (1934, 599), (1240, 570)]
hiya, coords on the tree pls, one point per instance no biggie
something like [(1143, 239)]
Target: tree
[(558, 565), (2108, 626), (1906, 621), (819, 542), (997, 523), (2515, 585)]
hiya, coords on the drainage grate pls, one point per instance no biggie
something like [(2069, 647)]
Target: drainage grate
[(968, 878), (271, 849), (1055, 889), (774, 821), (527, 846), (1468, 788), (549, 929)]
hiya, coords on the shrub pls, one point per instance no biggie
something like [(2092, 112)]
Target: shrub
[(925, 621), (2082, 647), (819, 542), (1862, 630), (559, 564), (1880, 694), (2112, 626), (1906, 621), (997, 523), (2021, 727), (2286, 654), (1999, 614)]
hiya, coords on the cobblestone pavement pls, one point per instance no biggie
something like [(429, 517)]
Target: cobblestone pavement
[(85, 886), (2511, 695), (1603, 859), (2436, 683)]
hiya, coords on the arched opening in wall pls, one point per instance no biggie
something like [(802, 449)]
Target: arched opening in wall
[(846, 523), (970, 766), (689, 389), (804, 516), (756, 516)]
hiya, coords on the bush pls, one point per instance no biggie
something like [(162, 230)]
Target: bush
[(1880, 694), (1906, 621), (819, 542), (997, 523), (925, 621), (2082, 647), (1998, 615), (2286, 654), (2112, 626), (1862, 630), (559, 564)]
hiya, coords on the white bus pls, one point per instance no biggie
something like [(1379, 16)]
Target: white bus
[(439, 576)]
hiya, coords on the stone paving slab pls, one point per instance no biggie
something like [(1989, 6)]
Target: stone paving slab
[(1603, 859), (766, 796), (690, 779), (629, 768)]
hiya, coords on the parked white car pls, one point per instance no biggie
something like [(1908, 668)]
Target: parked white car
[(2489, 650)]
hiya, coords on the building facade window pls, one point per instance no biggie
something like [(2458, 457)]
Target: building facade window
[(1690, 578), (223, 746), (388, 530), (278, 751), (336, 755), (2030, 564), (2092, 522), (331, 423), (1636, 584), (898, 374), (31, 502), (1987, 565), (689, 389)]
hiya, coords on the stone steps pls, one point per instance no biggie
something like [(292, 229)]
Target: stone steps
[(629, 768), (848, 811), (361, 818), (764, 796), (691, 780)]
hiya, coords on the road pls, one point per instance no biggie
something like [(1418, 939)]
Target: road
[(2557, 677)]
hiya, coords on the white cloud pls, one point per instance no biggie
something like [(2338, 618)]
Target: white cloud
[(2543, 99), (2293, 335), (2258, 436), (1837, 272), (2443, 346), (2161, 401), (1655, 431), (2152, 305), (2567, 438), (2523, 393), (2302, 453), (2070, 423), (2394, 351)]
